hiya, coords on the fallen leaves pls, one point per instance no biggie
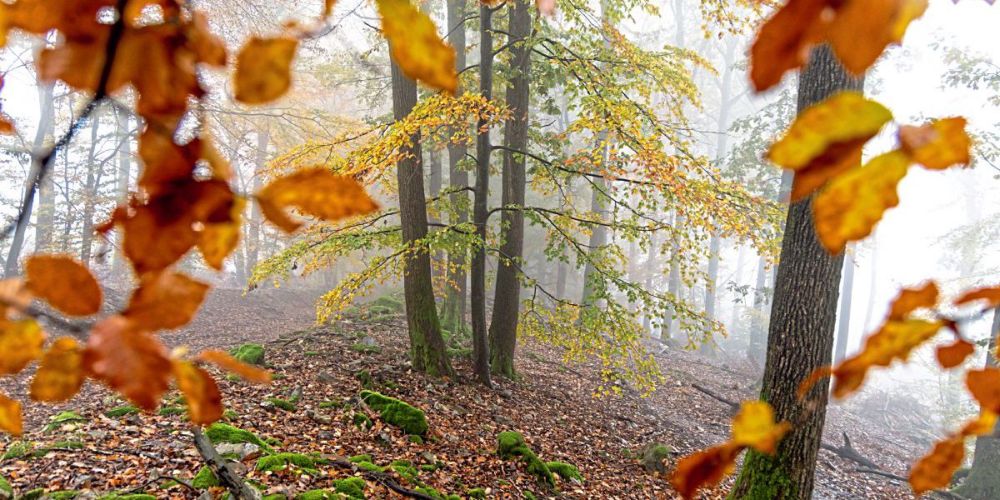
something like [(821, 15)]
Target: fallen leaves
[(314, 191), (64, 283)]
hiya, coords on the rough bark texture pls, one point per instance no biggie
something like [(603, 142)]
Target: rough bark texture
[(507, 298), (844, 317), (427, 349), (983, 481), (800, 337), (454, 310)]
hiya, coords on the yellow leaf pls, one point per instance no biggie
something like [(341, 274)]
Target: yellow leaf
[(60, 374), (317, 192), (416, 46), (202, 393), (754, 426), (21, 343), (895, 340), (263, 69), (64, 283), (937, 145), (912, 299), (982, 425), (218, 240), (862, 29), (850, 205), (826, 139), (10, 416)]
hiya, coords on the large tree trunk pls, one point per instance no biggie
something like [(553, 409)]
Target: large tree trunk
[(758, 336), (45, 222), (456, 297), (598, 233), (123, 178), (507, 298), (800, 338), (427, 350), (844, 318), (477, 295), (91, 192), (983, 481)]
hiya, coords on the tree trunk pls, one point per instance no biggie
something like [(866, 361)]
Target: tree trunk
[(456, 298), (507, 297), (255, 224), (45, 222), (714, 247), (755, 347), (670, 323), (983, 481), (477, 295), (844, 318), (800, 338), (124, 172), (427, 350), (90, 193), (598, 233)]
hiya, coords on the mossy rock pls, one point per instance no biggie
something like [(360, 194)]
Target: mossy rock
[(6, 490), (360, 458), (388, 302), (475, 493), (429, 467), (362, 421), (351, 487), (363, 348), (62, 418), (205, 478), (225, 433), (128, 496), (365, 378), (415, 439), (282, 461), (17, 449), (568, 472), (508, 442), (406, 470), (121, 411), (249, 353), (171, 411), (318, 495), (370, 467), (652, 456), (230, 415), (63, 495), (283, 404), (511, 445), (328, 405), (34, 494), (398, 413)]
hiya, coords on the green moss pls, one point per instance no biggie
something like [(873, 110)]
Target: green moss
[(311, 353), (62, 418), (475, 493), (370, 467), (564, 470), (511, 445), (121, 411), (17, 449), (225, 433), (392, 304), (529, 495), (170, 411), (282, 461), (283, 404), (326, 405), (362, 421), (508, 442), (652, 456), (63, 495), (352, 487), (365, 348), (398, 413), (58, 445), (360, 458), (416, 439), (406, 470), (34, 494), (249, 353), (762, 477), (317, 495), (128, 496), (275, 496), (6, 490), (230, 415), (365, 378), (429, 467), (205, 478)]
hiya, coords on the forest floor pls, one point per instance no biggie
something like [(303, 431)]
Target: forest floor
[(551, 405)]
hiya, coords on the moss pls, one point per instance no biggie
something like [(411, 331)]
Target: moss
[(225, 433), (63, 495), (282, 461), (230, 415), (508, 442), (170, 411), (388, 302), (360, 458), (34, 494), (128, 496), (762, 477), (205, 478), (311, 353), (249, 353), (475, 493), (62, 418), (429, 467), (121, 411), (365, 348), (317, 495), (529, 495), (60, 445), (511, 445), (326, 405), (6, 490), (283, 404), (652, 456), (365, 378), (398, 413), (406, 470), (564, 470), (17, 449), (416, 439), (370, 467), (362, 421), (352, 487), (275, 496)]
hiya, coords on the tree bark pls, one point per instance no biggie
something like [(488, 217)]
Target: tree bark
[(477, 295), (45, 222), (507, 295), (983, 481), (800, 338), (90, 193), (255, 224), (427, 349), (844, 318), (758, 336), (123, 179)]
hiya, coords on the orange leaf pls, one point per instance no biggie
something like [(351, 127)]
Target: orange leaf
[(754, 426), (163, 160), (853, 202), (10, 416), (705, 468), (263, 69), (223, 360), (911, 299), (984, 424), (935, 469), (64, 283), (862, 29), (21, 343), (60, 374), (219, 240), (203, 397), (937, 145), (314, 191), (894, 341), (165, 300), (131, 361), (826, 140), (991, 295), (784, 41), (328, 7), (985, 387), (13, 296), (416, 46), (952, 355)]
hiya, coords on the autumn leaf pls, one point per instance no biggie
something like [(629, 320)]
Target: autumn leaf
[(850, 205), (935, 469), (954, 354), (219, 240), (263, 69), (10, 416), (784, 41), (826, 140), (60, 374), (754, 426), (984, 424), (314, 191), (912, 299), (165, 300), (705, 468), (64, 283), (984, 385), (416, 46), (163, 160), (21, 343), (990, 294), (13, 296), (862, 29), (129, 360), (328, 7), (202, 393), (225, 361), (937, 145)]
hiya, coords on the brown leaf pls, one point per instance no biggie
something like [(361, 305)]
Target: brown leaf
[(202, 393), (954, 354), (60, 374), (935, 469), (64, 283), (263, 69), (985, 387), (129, 360), (705, 468), (228, 363), (990, 294), (219, 240), (911, 299), (165, 300)]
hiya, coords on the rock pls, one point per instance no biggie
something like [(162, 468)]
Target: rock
[(242, 450), (652, 455)]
